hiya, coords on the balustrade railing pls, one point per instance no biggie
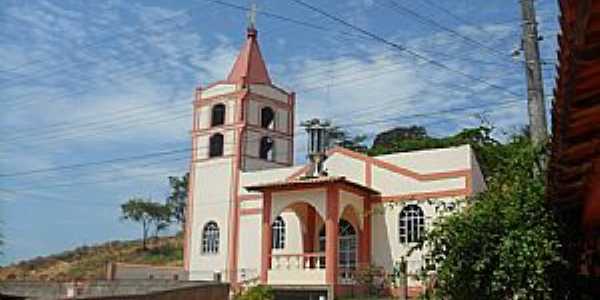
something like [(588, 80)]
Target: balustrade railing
[(305, 261)]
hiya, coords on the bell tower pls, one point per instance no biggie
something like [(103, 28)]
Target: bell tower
[(241, 124)]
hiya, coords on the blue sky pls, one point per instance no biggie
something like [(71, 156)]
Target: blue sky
[(88, 81)]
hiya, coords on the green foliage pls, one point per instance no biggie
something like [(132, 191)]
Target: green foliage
[(178, 198), (373, 277), (505, 244), (259, 292), (148, 214), (389, 137), (342, 138)]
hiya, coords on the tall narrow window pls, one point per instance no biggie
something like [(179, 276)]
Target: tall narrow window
[(411, 224), (267, 118), (266, 148), (347, 251), (278, 229), (218, 115), (210, 238), (216, 145)]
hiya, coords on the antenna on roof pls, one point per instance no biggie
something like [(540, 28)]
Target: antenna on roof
[(252, 16)]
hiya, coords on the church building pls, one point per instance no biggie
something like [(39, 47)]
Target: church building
[(254, 215)]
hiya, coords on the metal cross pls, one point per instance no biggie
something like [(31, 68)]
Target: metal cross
[(252, 16)]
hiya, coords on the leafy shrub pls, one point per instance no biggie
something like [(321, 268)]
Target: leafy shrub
[(258, 292)]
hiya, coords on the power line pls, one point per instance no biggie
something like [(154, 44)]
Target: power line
[(67, 184), (398, 7), (162, 153), (403, 48), (101, 162), (149, 118), (457, 17)]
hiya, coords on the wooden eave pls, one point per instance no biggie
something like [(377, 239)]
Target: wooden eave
[(576, 107)]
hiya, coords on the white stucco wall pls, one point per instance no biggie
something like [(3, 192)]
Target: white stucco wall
[(293, 234), (315, 197), (281, 120), (265, 176), (341, 165), (432, 161), (269, 92), (354, 202), (218, 89), (391, 183), (253, 113), (250, 244), (211, 203)]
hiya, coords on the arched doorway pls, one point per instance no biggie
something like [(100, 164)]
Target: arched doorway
[(347, 247)]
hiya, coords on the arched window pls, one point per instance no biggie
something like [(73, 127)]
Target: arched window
[(218, 115), (266, 148), (210, 238), (267, 118), (278, 229), (216, 145), (346, 249), (411, 224)]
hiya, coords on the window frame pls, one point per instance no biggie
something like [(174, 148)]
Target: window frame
[(411, 224), (210, 238), (278, 233), (270, 154), (270, 125), (213, 151), (223, 115)]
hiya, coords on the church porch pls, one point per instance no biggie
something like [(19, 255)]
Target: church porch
[(335, 231)]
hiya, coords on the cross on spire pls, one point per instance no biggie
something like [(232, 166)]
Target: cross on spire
[(252, 16)]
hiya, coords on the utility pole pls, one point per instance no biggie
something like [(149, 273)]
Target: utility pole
[(533, 71)]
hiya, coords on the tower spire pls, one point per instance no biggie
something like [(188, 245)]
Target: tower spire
[(249, 67)]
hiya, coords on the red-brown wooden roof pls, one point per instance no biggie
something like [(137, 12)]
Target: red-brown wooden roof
[(576, 110)]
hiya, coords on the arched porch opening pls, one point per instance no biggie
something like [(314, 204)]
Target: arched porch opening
[(349, 235), (300, 250)]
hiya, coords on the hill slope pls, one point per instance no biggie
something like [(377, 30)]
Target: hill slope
[(88, 262)]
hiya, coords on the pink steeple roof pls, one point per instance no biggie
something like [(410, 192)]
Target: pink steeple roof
[(249, 65)]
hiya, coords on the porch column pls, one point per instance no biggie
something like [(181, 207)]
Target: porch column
[(331, 235), (266, 248), (309, 237), (364, 249)]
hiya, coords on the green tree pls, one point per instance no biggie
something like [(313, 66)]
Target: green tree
[(389, 137), (148, 214), (504, 245), (177, 199), (161, 217), (340, 137)]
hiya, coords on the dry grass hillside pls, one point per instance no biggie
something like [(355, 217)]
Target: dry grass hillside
[(89, 262)]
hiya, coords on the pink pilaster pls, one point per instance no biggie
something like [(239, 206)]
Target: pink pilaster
[(364, 249), (266, 238), (331, 234)]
